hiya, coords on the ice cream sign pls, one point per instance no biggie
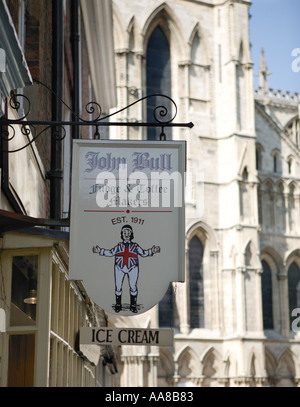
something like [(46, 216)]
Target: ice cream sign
[(127, 221)]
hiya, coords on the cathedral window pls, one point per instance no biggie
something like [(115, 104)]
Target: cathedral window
[(267, 300), (258, 157), (293, 287), (165, 309), (276, 161), (196, 288), (158, 78)]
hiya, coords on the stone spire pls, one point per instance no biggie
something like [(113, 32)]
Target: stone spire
[(263, 73)]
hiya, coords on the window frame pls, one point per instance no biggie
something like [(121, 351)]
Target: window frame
[(271, 316), (160, 89), (201, 322)]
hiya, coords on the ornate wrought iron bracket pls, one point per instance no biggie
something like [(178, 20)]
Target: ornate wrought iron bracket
[(163, 116)]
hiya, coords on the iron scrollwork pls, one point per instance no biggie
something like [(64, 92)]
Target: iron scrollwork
[(163, 116)]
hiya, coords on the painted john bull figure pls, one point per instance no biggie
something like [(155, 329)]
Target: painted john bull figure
[(126, 255)]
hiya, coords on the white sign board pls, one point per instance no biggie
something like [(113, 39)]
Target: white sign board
[(125, 336), (127, 221)]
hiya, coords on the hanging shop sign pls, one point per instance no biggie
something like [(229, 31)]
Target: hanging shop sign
[(127, 221)]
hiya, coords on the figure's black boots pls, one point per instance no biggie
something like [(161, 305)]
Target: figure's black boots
[(118, 305), (133, 299), (133, 303)]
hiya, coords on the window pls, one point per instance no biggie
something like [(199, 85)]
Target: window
[(275, 163), (293, 287), (196, 283), (166, 309), (23, 291), (158, 78), (22, 315), (258, 157), (267, 300)]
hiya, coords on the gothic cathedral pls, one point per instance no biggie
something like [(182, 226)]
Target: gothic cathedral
[(235, 316)]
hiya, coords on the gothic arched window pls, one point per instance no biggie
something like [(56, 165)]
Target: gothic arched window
[(267, 298), (290, 165), (276, 161), (293, 287), (258, 156), (165, 309), (158, 78), (196, 288)]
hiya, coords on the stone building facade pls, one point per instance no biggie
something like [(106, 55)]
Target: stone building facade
[(233, 317)]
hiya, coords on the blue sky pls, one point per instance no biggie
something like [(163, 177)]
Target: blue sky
[(275, 26)]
